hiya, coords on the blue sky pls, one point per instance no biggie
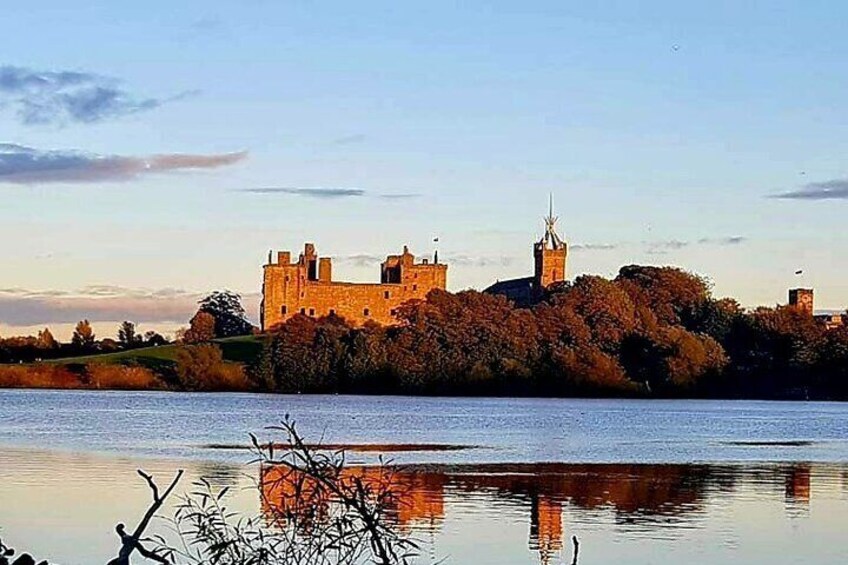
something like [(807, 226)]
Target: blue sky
[(664, 131)]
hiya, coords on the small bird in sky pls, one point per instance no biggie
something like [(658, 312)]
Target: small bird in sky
[(675, 47), (435, 240), (799, 272)]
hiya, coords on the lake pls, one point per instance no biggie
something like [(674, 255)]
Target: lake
[(487, 480)]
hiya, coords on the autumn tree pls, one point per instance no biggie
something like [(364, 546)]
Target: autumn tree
[(202, 367), (201, 328), (672, 294), (83, 336), (46, 340)]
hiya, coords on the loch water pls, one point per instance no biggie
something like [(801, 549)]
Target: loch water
[(486, 480)]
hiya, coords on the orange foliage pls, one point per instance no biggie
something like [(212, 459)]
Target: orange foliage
[(121, 377), (38, 376)]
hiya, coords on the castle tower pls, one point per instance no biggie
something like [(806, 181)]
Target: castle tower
[(550, 254), (802, 299)]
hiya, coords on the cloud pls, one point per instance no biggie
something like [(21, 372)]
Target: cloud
[(361, 260), (463, 260), (400, 196), (663, 247), (26, 165), (593, 246), (62, 97), (99, 303), (732, 240), (321, 193), (836, 189)]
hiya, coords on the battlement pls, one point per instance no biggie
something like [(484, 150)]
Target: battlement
[(307, 287)]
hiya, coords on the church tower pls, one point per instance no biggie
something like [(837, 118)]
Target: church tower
[(550, 254)]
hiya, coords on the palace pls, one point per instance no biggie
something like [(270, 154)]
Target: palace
[(550, 255), (306, 287)]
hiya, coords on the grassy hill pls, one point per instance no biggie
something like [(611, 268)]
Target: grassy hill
[(242, 349)]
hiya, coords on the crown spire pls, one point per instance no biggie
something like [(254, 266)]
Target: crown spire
[(551, 239)]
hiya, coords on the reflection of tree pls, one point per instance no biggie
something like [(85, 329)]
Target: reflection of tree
[(640, 494)]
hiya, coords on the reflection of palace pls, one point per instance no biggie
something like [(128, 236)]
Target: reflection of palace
[(636, 494), (418, 500)]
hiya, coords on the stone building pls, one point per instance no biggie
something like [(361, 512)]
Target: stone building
[(802, 298), (550, 255), (307, 287)]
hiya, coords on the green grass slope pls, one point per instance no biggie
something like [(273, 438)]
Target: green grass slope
[(243, 349)]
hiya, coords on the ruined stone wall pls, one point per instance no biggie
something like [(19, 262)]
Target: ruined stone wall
[(288, 291)]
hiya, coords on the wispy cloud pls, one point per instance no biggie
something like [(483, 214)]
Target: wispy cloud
[(593, 246), (361, 259), (62, 97), (98, 303), (400, 196), (663, 247), (463, 260), (836, 189), (329, 193), (731, 240), (26, 165), (321, 193)]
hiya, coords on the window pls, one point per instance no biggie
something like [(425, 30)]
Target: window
[(288, 278), (386, 295), (393, 312), (303, 311), (284, 310), (312, 311), (415, 287), (366, 312)]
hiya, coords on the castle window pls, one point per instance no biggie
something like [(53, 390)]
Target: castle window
[(288, 278), (303, 311), (312, 311), (386, 294), (415, 287), (284, 310), (366, 312)]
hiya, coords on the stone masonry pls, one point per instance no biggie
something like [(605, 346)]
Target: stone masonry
[(307, 287)]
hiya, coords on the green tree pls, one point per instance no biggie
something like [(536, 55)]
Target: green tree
[(127, 335), (228, 312)]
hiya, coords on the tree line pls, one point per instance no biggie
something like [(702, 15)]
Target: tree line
[(650, 331)]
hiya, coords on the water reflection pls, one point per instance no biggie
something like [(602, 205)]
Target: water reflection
[(655, 498)]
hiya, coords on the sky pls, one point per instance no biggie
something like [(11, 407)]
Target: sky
[(154, 151)]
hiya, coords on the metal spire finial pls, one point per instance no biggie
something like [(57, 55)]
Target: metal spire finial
[(551, 238)]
